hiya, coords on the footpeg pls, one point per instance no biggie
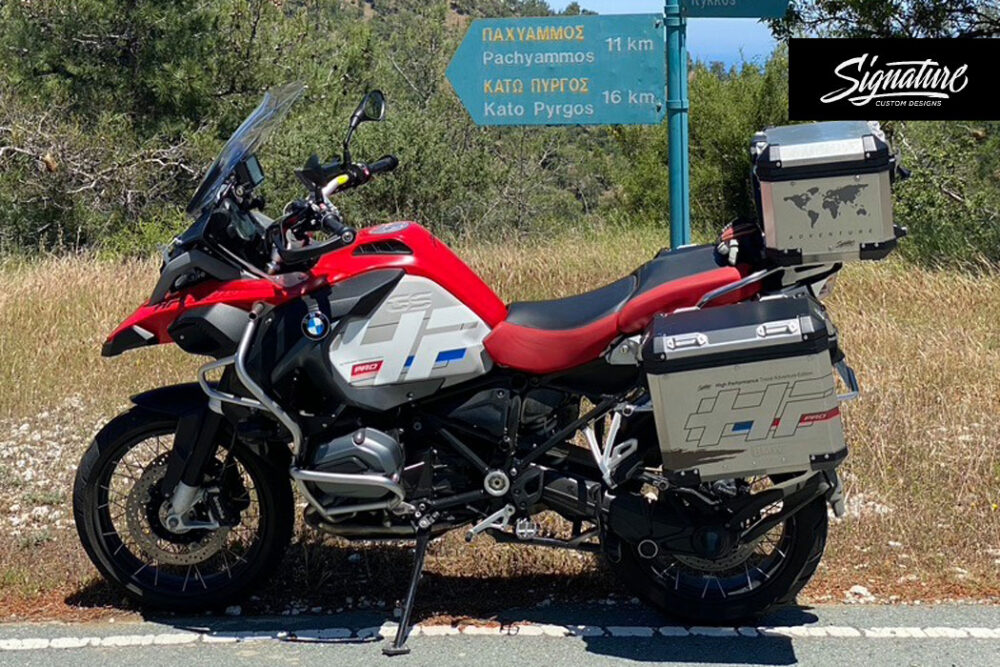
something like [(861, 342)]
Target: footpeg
[(526, 529)]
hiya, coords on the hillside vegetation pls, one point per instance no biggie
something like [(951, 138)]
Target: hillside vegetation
[(110, 110)]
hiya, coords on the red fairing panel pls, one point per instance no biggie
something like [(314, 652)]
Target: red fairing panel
[(540, 351), (238, 293), (431, 259)]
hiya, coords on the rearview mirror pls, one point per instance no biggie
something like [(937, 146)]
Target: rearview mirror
[(372, 108)]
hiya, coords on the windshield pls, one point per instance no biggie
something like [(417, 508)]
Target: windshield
[(245, 141)]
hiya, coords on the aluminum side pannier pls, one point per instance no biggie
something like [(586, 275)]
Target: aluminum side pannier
[(744, 390), (824, 192)]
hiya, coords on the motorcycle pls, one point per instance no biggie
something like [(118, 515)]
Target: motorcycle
[(375, 372)]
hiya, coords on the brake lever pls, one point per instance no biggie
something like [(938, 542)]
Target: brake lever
[(330, 220)]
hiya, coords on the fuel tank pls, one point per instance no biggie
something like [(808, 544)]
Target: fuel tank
[(419, 253), (398, 317)]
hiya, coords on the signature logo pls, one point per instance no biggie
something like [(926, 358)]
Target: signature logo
[(896, 82)]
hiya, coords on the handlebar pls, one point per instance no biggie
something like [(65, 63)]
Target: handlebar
[(330, 220), (359, 174)]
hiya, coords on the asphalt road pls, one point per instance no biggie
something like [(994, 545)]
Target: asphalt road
[(553, 636)]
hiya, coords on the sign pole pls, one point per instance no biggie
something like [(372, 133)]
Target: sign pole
[(677, 119)]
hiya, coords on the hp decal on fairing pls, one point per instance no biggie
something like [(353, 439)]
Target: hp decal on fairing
[(419, 332), (315, 325)]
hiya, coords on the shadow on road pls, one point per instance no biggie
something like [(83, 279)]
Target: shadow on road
[(360, 592), (701, 650)]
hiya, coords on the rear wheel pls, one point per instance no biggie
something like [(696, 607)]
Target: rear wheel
[(748, 582), (120, 509)]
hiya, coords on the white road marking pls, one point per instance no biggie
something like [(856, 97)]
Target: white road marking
[(983, 633), (482, 630), (631, 631), (842, 632), (714, 632), (946, 633), (515, 630), (434, 630), (585, 630)]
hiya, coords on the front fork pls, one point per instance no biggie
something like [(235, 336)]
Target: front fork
[(195, 444), (196, 440)]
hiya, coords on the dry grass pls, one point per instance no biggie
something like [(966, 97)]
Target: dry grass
[(923, 479)]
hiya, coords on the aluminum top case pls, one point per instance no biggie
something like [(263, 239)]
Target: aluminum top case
[(744, 390), (824, 192)]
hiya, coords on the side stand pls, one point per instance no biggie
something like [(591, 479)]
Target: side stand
[(420, 551)]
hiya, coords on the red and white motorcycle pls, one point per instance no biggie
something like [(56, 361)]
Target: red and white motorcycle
[(377, 373)]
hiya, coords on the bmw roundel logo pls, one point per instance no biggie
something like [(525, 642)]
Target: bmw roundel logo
[(315, 325)]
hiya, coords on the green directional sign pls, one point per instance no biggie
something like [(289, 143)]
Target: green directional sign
[(580, 70), (734, 9)]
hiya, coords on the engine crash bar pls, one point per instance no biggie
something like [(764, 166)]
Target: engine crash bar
[(263, 402)]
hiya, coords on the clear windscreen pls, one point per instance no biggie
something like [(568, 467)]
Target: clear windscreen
[(244, 142)]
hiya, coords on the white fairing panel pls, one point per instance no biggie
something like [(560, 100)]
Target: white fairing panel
[(420, 332)]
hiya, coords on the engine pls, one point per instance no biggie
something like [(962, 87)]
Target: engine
[(366, 451)]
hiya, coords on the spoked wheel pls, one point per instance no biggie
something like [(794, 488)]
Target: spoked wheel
[(120, 511), (744, 584)]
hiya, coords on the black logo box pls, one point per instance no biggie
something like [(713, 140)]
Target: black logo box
[(893, 79)]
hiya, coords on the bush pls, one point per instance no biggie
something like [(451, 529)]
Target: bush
[(951, 205), (727, 108)]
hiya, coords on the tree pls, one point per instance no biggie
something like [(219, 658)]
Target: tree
[(890, 18)]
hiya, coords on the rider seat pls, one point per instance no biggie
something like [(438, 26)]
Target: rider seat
[(550, 336)]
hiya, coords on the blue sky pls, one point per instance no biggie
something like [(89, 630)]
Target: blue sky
[(708, 39)]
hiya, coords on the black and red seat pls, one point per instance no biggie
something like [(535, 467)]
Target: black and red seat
[(559, 334)]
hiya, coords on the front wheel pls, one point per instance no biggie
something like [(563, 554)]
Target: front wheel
[(746, 584), (119, 510)]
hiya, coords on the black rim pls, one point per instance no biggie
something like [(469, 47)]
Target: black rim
[(740, 574), (143, 552)]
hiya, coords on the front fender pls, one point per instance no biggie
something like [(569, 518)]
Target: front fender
[(173, 400)]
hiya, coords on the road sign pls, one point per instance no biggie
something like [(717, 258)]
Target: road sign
[(734, 9), (579, 70)]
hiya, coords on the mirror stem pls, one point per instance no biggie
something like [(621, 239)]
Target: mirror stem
[(347, 145)]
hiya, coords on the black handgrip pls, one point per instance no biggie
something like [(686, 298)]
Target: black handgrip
[(332, 223), (384, 164)]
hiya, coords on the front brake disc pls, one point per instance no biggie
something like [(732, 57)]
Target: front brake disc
[(153, 544)]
